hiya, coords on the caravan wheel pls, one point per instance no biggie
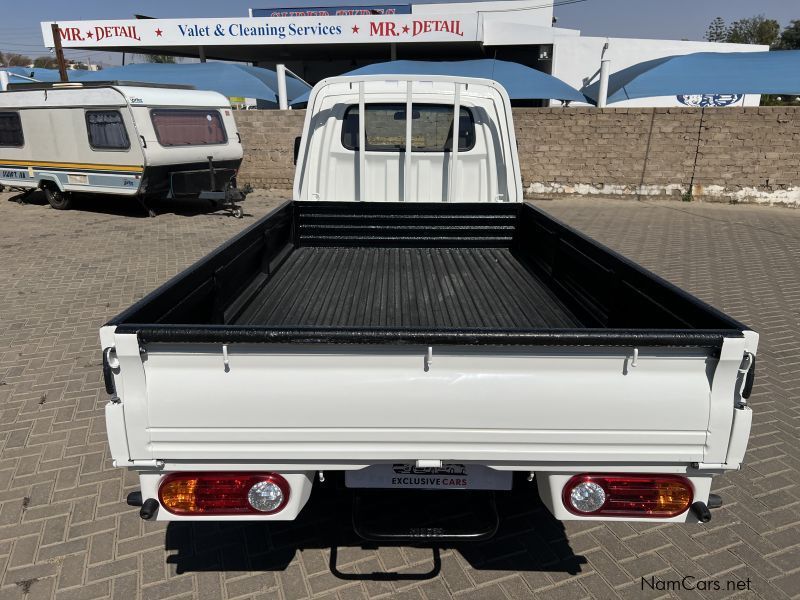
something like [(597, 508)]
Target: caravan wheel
[(58, 199)]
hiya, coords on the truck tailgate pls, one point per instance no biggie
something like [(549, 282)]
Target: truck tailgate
[(364, 403)]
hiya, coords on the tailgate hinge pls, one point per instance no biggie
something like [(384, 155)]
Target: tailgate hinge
[(716, 466), (141, 463)]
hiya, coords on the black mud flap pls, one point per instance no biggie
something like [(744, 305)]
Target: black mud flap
[(423, 515)]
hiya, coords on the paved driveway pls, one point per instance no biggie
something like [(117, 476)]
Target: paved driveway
[(65, 530)]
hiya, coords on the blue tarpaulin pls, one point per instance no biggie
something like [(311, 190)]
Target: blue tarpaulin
[(37, 74), (776, 72), (231, 80), (521, 82)]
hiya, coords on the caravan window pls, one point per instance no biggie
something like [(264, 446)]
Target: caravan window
[(106, 130), (431, 128), (188, 127), (11, 129)]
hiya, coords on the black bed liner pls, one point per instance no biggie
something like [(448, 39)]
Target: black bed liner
[(406, 287), (325, 272)]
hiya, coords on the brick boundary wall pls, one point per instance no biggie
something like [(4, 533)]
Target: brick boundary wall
[(729, 154)]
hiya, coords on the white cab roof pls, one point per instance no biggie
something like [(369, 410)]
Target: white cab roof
[(395, 85)]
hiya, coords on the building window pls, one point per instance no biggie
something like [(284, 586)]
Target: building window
[(431, 128), (107, 130), (188, 127), (11, 129)]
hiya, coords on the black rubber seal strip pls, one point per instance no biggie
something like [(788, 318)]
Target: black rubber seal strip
[(225, 334)]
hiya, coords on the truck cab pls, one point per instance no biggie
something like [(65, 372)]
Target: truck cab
[(361, 145)]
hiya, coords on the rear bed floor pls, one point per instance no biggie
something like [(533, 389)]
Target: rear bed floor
[(406, 287)]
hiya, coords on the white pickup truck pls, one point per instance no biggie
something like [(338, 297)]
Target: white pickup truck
[(407, 327)]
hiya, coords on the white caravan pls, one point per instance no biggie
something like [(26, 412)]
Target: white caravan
[(132, 139), (407, 328)]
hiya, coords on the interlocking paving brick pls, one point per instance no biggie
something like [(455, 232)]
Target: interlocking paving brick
[(173, 587), (100, 589), (65, 530), (788, 584), (437, 590), (292, 582)]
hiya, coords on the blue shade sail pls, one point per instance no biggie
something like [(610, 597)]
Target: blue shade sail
[(230, 80), (776, 72), (521, 82)]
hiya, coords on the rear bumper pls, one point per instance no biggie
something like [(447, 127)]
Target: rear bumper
[(186, 180), (194, 183), (549, 484)]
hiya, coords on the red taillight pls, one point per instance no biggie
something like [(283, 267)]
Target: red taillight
[(223, 493), (621, 495)]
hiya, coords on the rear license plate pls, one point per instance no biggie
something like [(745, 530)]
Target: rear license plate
[(449, 476)]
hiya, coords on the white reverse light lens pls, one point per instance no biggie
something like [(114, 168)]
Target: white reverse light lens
[(265, 496), (587, 496)]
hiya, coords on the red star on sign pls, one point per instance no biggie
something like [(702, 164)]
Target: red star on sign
[(355, 28), (159, 32), (89, 34), (405, 29)]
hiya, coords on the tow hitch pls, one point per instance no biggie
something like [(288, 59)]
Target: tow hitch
[(229, 197)]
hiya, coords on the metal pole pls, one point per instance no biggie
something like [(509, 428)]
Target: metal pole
[(456, 128), (62, 65), (602, 94), (283, 100), (3, 81), (295, 75), (362, 143), (409, 122), (201, 52), (393, 52)]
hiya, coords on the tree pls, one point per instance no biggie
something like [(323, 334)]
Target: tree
[(160, 58), (45, 62), (755, 30), (2, 60), (790, 38), (717, 31), (18, 60)]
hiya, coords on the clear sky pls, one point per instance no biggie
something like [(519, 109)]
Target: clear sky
[(669, 19)]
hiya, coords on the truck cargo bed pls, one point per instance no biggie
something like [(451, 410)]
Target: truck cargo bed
[(406, 287), (491, 273)]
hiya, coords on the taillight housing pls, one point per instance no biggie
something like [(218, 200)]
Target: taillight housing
[(627, 495), (198, 494)]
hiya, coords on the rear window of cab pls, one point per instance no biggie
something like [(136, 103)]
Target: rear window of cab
[(431, 128)]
